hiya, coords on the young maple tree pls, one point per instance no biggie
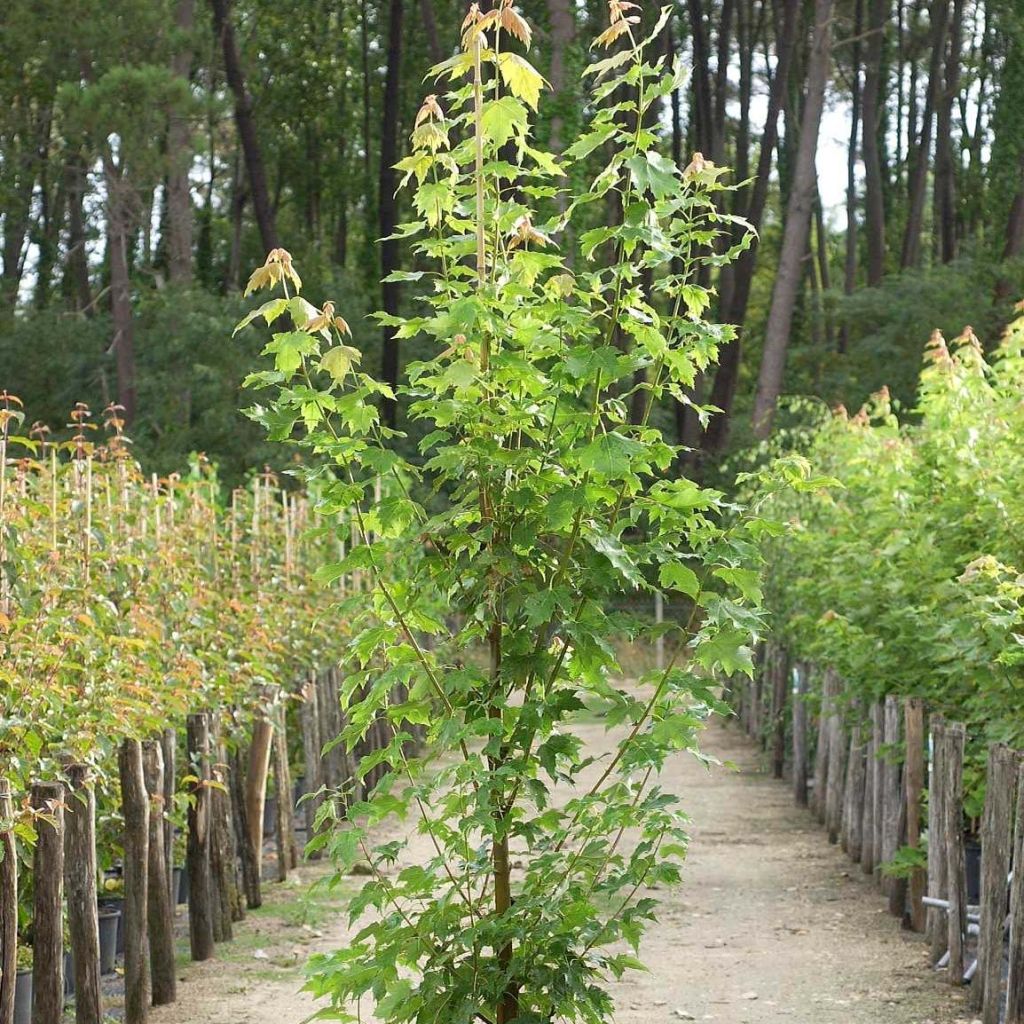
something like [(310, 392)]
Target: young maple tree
[(554, 502)]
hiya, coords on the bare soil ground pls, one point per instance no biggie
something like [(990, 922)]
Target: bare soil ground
[(770, 924)]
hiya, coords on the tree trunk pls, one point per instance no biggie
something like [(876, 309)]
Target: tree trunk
[(874, 198), (724, 390), (850, 265), (80, 886), (911, 252), (246, 125), (200, 894), (160, 909), (430, 32), (388, 203), (119, 221), (75, 284), (8, 908), (179, 151), (945, 169), (47, 905), (797, 225), (135, 807)]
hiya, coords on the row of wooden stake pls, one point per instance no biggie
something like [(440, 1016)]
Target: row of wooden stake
[(865, 774), (227, 796)]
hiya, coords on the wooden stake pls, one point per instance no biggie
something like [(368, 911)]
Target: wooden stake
[(223, 853), (287, 855), (135, 806), (311, 746), (200, 910), (80, 884), (159, 909), (913, 779), (1015, 978), (47, 909), (256, 783), (986, 993), (953, 800), (8, 907)]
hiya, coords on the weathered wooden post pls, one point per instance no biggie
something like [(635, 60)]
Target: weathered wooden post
[(853, 798), (200, 910), (250, 869), (913, 777), (800, 735), (47, 801), (878, 786), (937, 868), (169, 752), (80, 887), (135, 807), (780, 692), (953, 799), (284, 825), (159, 909), (986, 993), (867, 825), (8, 907), (1015, 977), (893, 814), (836, 758), (311, 746), (821, 757), (227, 906), (256, 782)]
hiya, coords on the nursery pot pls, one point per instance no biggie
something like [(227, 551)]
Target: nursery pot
[(23, 997), (115, 903), (972, 863), (69, 976), (110, 919), (269, 817)]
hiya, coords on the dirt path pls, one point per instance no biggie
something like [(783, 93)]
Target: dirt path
[(771, 924)]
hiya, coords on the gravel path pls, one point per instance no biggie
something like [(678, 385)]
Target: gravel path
[(771, 924)]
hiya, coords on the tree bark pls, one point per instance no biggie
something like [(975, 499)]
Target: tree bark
[(246, 125), (120, 209), (8, 908), (135, 807), (434, 47), (945, 170), (159, 909), (797, 226), (200, 910), (874, 196), (388, 204), (850, 265), (911, 252), (80, 887), (47, 905), (179, 151), (726, 379)]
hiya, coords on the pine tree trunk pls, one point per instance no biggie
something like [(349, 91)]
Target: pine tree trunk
[(797, 225), (388, 204), (246, 125), (179, 194)]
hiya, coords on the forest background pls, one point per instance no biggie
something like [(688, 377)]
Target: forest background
[(153, 151)]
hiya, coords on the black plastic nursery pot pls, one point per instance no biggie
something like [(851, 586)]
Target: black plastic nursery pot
[(972, 864), (269, 817), (115, 903), (23, 997), (110, 920), (69, 976)]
